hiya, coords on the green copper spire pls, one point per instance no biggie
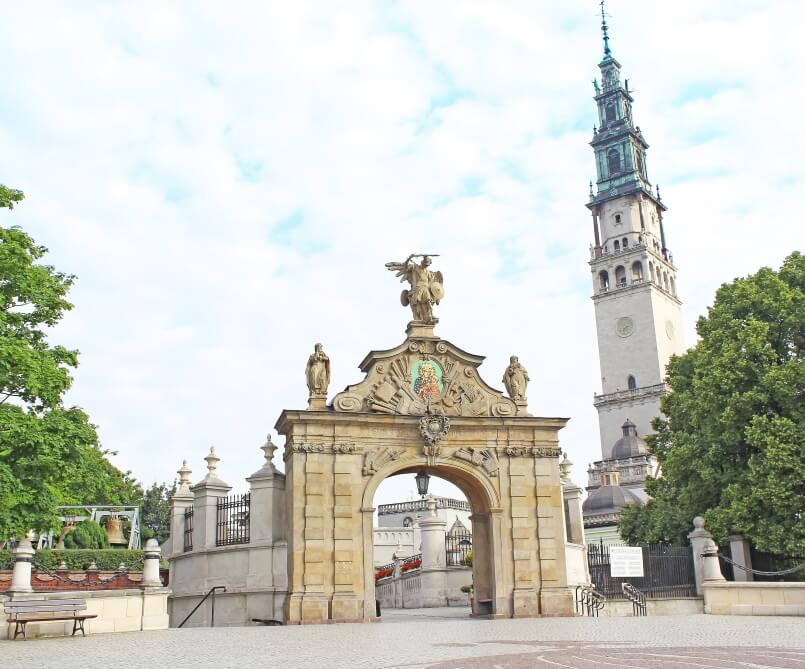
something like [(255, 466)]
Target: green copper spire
[(604, 28)]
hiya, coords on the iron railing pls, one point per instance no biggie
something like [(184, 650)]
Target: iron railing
[(232, 525), (589, 601), (188, 529), (637, 598), (787, 568), (457, 545), (668, 571), (211, 591)]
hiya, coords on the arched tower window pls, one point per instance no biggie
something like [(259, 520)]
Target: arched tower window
[(665, 279), (611, 113), (617, 218), (603, 278), (617, 246), (631, 382), (625, 243), (673, 286), (620, 276), (639, 161), (613, 161), (637, 271)]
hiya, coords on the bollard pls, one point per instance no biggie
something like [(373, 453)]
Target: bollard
[(151, 565), (23, 561)]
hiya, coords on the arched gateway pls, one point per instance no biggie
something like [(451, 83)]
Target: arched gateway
[(422, 405)]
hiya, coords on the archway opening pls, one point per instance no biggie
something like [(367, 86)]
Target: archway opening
[(433, 550)]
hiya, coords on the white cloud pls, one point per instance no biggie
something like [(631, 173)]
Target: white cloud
[(163, 151)]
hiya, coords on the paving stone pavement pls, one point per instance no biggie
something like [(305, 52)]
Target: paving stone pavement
[(440, 639)]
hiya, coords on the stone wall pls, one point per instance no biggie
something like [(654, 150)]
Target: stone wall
[(754, 598), (117, 610)]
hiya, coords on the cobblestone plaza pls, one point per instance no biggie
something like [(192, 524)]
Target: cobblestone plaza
[(433, 638)]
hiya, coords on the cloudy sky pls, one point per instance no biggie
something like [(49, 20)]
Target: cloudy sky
[(227, 182)]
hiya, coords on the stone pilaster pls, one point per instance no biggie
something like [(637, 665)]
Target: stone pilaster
[(740, 552), (346, 603)]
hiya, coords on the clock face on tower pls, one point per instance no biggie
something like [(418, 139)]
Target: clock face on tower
[(624, 327)]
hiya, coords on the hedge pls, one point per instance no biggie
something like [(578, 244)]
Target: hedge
[(107, 559)]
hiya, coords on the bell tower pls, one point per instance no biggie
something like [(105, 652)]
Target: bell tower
[(637, 310)]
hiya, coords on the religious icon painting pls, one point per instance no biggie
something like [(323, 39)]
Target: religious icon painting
[(426, 379)]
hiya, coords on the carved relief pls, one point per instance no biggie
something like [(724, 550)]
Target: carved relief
[(480, 457), (344, 448), (434, 427), (374, 460), (421, 373), (534, 452), (307, 448)]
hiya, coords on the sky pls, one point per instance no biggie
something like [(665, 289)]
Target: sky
[(227, 182)]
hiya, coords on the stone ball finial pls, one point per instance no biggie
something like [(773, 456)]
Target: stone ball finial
[(698, 523)]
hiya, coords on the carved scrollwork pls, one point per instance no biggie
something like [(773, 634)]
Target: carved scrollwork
[(434, 427), (307, 448), (374, 460), (480, 457), (534, 452), (546, 452), (344, 448), (348, 402), (441, 347)]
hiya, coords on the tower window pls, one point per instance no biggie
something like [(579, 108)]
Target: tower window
[(637, 271), (617, 246), (631, 382), (613, 161), (673, 286), (625, 243), (639, 165), (617, 218), (620, 276), (603, 278), (611, 114)]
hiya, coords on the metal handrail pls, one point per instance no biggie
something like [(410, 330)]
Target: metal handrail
[(589, 601), (637, 598), (212, 605)]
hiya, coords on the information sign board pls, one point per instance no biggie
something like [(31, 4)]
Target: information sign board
[(625, 561)]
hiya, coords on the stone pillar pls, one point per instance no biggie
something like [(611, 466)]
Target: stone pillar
[(434, 571), (182, 500), (23, 559), (267, 499), (571, 498), (701, 543), (741, 553), (206, 494), (151, 556)]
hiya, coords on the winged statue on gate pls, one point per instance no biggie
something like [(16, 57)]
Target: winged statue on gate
[(427, 287)]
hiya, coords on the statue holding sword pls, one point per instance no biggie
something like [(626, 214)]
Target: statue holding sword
[(427, 287)]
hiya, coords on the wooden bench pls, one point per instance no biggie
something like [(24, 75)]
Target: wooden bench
[(22, 612)]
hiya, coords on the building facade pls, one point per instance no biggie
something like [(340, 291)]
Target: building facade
[(637, 309)]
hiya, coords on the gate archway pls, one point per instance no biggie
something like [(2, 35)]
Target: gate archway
[(503, 459)]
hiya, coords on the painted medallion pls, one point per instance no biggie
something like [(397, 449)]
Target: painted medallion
[(426, 379)]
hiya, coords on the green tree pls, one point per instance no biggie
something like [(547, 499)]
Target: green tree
[(156, 511), (49, 453), (732, 447), (87, 534)]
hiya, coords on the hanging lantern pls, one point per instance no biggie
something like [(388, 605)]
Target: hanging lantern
[(422, 481)]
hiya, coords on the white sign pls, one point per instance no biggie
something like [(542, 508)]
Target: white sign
[(625, 561)]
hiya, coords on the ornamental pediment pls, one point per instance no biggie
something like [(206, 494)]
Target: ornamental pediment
[(423, 375)]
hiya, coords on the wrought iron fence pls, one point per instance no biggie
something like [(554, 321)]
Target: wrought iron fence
[(668, 571), (188, 529), (770, 562), (232, 525), (457, 545)]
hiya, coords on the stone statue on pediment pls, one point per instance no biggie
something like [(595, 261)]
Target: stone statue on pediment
[(317, 375), (427, 287), (515, 379)]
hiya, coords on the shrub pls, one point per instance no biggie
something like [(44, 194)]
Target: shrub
[(466, 589), (105, 559), (468, 559), (87, 534)]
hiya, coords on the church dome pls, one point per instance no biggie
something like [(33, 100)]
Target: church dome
[(608, 499), (629, 444)]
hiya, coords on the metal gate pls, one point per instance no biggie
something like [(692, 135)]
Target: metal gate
[(668, 572)]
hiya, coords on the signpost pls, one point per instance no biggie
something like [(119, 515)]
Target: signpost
[(626, 561)]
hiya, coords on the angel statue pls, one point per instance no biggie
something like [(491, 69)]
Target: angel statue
[(317, 372), (515, 379), (427, 288)]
